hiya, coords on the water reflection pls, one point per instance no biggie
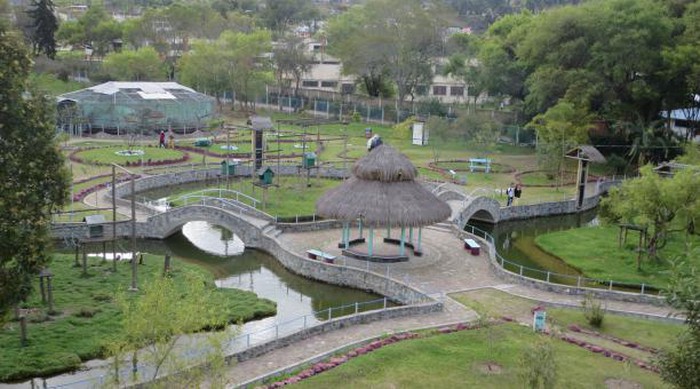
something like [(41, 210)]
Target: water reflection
[(515, 240), (213, 239), (212, 246)]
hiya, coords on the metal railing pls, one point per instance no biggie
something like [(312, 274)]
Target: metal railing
[(241, 342), (559, 278)]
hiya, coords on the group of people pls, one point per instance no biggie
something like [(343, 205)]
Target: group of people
[(161, 140), (513, 192)]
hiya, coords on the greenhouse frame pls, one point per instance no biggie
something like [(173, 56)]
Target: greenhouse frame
[(134, 107)]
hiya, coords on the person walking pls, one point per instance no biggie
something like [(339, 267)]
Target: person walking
[(162, 139), (516, 193), (510, 193)]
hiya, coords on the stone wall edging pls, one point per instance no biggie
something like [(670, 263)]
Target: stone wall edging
[(332, 325)]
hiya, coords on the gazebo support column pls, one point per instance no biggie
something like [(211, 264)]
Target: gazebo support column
[(360, 223), (410, 235), (388, 231), (370, 246), (346, 234), (420, 233), (402, 250)]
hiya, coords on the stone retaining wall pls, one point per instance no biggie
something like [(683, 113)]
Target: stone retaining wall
[(332, 325)]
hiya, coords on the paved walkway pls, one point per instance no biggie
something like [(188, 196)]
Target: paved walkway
[(445, 267)]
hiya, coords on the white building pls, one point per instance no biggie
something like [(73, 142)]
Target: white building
[(684, 122)]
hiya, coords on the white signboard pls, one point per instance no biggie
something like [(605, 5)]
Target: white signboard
[(420, 134)]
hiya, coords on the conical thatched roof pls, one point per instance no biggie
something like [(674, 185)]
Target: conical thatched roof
[(383, 192), (386, 165)]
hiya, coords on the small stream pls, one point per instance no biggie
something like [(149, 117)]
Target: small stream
[(224, 255), (515, 241)]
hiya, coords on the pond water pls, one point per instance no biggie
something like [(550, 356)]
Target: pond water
[(515, 240), (223, 254)]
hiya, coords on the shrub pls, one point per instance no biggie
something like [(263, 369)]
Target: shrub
[(538, 365), (593, 311)]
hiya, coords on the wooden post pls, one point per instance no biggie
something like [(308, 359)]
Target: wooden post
[(77, 254), (41, 287), (166, 265), (22, 330), (50, 293), (84, 261)]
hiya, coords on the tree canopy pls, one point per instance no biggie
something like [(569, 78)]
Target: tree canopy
[(611, 58), (662, 204), (45, 26), (33, 177), (398, 40), (234, 62)]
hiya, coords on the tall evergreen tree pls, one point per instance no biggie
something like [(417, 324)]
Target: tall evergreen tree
[(45, 26), (33, 176)]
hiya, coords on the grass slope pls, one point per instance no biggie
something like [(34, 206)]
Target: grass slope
[(457, 360), (595, 251)]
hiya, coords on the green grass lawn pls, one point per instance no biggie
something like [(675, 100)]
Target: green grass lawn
[(107, 155), (595, 251), (459, 360), (495, 303), (87, 316), (291, 198)]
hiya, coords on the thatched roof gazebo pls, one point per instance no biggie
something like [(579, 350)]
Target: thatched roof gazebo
[(382, 192)]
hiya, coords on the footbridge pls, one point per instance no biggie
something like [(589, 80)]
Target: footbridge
[(475, 205)]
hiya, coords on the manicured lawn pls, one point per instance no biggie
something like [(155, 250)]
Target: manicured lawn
[(291, 198), (595, 251), (107, 155), (87, 316), (459, 360)]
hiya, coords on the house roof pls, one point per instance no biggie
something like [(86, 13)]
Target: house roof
[(261, 122), (263, 170), (692, 114)]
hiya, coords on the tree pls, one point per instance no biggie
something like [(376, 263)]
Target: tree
[(662, 204), (156, 325), (279, 15), (399, 41), (33, 177), (45, 26), (291, 60), (562, 127), (95, 28), (134, 65), (679, 366), (234, 62)]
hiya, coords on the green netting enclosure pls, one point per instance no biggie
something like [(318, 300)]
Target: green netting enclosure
[(119, 107)]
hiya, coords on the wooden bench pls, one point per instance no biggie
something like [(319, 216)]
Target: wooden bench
[(318, 254), (471, 245)]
